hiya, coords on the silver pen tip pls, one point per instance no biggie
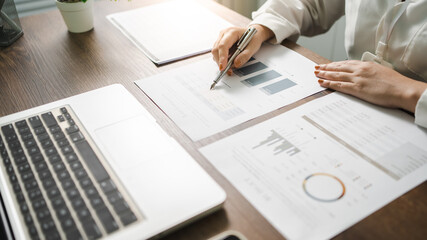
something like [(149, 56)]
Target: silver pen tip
[(212, 86)]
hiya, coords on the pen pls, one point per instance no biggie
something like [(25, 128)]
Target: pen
[(241, 45)]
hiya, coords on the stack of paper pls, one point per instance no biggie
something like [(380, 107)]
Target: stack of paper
[(170, 31)]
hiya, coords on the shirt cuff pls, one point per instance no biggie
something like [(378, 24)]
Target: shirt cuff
[(281, 29), (421, 111)]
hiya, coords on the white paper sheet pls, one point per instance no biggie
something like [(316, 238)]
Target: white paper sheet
[(318, 169), (277, 76), (170, 31)]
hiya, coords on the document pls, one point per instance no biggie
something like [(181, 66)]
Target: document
[(274, 77), (170, 31), (316, 170)]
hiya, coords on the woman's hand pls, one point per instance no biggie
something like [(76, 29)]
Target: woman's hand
[(229, 36), (371, 82)]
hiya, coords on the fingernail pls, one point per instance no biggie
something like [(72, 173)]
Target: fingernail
[(229, 72), (317, 67), (220, 66), (320, 81), (316, 72)]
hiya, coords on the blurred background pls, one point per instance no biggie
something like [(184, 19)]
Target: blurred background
[(329, 45)]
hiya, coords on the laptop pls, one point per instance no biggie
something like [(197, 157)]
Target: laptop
[(97, 165)]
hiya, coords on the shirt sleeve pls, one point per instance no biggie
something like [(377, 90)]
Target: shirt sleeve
[(421, 111), (291, 18)]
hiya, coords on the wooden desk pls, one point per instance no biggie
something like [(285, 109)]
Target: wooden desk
[(49, 64)]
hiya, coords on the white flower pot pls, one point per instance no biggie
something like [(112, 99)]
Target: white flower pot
[(77, 16)]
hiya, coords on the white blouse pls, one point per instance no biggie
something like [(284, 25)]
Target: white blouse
[(366, 23)]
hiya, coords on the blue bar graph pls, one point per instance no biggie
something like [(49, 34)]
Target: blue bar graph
[(261, 78), (246, 70), (278, 86)]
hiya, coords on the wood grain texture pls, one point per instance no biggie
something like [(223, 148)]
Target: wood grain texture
[(48, 63)]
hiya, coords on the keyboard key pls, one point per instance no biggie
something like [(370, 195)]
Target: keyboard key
[(80, 173), (35, 194), (107, 185), (21, 124), (47, 225), (54, 158), (63, 142), (127, 218), (36, 158), (24, 207), (107, 220), (32, 230), (58, 202), (77, 136), (55, 129), (73, 193), (23, 130), (97, 202), (49, 119), (72, 129), (121, 206), (28, 219), (91, 229), (59, 135), (42, 213), (27, 176), (13, 178), (92, 161), (67, 116), (78, 203), (40, 130), (41, 166), (73, 235), (47, 143), (30, 142), (33, 150), (85, 183), (53, 193), (64, 110), (67, 223), (20, 198), (35, 121), (48, 183), (67, 149), (58, 167), (43, 137), (71, 157), (63, 175), (61, 118), (45, 174), (24, 167), (30, 185), (62, 212), (67, 183), (39, 204), (20, 160), (50, 151), (76, 165), (83, 213)]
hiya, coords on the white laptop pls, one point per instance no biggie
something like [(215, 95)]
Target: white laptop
[(97, 165)]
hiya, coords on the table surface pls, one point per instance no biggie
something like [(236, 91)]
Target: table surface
[(48, 63)]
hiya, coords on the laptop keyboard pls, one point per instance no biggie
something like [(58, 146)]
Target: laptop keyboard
[(61, 186)]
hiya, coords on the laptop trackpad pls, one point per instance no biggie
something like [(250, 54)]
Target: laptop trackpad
[(132, 142)]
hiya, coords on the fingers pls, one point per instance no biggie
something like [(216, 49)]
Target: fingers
[(342, 66), (344, 87), (334, 75), (225, 41), (246, 54)]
